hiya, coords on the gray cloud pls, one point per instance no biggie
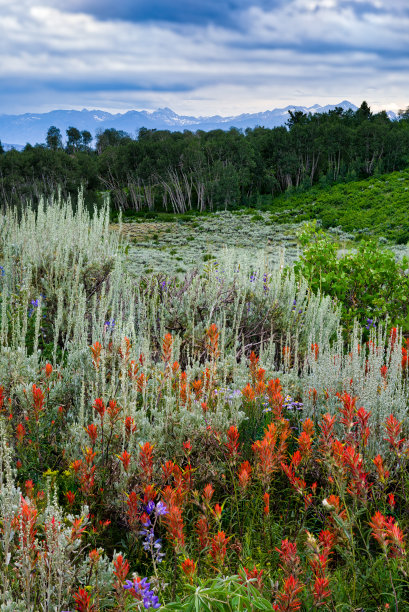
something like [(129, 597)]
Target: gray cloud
[(219, 57)]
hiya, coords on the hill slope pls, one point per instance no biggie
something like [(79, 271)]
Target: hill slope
[(378, 206)]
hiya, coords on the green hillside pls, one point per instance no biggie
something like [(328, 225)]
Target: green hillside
[(378, 206)]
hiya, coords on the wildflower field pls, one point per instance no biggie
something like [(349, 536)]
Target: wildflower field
[(229, 437)]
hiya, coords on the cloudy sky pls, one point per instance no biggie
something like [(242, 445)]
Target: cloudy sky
[(202, 57)]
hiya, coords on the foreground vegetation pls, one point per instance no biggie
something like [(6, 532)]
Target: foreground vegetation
[(225, 440)]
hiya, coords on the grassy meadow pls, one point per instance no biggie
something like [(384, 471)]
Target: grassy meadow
[(206, 412)]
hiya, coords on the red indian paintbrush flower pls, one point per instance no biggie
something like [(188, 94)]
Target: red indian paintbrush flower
[(249, 393), (217, 511), (289, 558), (253, 366), (202, 530), (89, 455), (244, 475), (70, 497), (219, 547), (167, 348), (94, 556), (266, 499), (304, 443), (28, 520), (133, 370), (348, 411), (29, 488), (77, 530), (146, 461), (213, 341), (167, 469), (189, 569), (113, 410), (321, 591), (353, 461), (149, 494), (327, 427), (130, 426), (96, 349), (404, 362), (125, 459), (382, 473), (308, 427), (197, 388), (174, 524), (38, 401), (270, 450), (83, 601), (232, 444), (121, 570), (288, 598), (92, 431), (20, 432), (99, 407), (133, 510), (394, 428), (124, 350), (275, 397), (208, 493), (363, 430), (388, 534)]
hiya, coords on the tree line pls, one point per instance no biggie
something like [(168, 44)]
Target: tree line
[(181, 171)]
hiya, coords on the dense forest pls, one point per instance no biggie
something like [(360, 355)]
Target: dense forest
[(175, 171)]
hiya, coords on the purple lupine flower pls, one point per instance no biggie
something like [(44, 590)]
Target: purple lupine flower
[(141, 589), (150, 544), (161, 509), (34, 305)]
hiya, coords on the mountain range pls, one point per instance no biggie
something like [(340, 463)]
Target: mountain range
[(17, 130)]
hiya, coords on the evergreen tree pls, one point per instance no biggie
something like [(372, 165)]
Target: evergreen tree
[(364, 112)]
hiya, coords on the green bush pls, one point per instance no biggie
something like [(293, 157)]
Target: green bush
[(367, 282)]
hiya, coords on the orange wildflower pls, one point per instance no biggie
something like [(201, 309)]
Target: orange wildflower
[(125, 459), (96, 349), (189, 569)]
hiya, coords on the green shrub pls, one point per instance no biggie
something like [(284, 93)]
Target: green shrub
[(368, 283)]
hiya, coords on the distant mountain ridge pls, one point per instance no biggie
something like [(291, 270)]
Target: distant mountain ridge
[(32, 127)]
